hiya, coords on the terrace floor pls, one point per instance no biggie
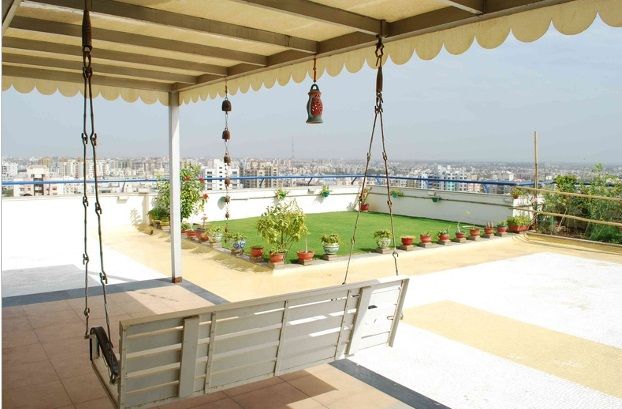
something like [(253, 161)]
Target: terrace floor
[(507, 323)]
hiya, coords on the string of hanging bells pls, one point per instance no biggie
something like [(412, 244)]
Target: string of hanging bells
[(226, 136)]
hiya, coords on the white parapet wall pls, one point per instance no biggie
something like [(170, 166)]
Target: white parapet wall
[(465, 207)]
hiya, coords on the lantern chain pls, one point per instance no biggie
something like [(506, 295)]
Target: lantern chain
[(378, 110), (89, 135), (226, 136)]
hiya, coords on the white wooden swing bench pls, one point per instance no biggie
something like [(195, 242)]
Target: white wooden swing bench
[(168, 357)]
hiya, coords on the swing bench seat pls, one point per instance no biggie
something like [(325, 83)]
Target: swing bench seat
[(170, 357)]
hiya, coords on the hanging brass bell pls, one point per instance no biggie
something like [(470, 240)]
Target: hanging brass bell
[(226, 135), (227, 159), (227, 181), (314, 105), (226, 105)]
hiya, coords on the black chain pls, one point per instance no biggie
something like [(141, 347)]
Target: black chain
[(377, 114), (91, 136), (226, 107)]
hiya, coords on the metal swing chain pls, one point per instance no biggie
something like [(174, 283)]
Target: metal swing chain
[(87, 74), (377, 114)]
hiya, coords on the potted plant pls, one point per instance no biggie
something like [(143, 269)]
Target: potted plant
[(425, 237), (280, 193), (517, 224), (282, 224), (363, 205), (203, 236), (192, 199), (395, 193), (502, 227), (215, 234), (443, 235), (325, 191), (239, 242), (383, 238), (330, 242), (257, 251), (277, 254), (157, 215), (459, 232), (489, 228), (407, 240), (516, 193)]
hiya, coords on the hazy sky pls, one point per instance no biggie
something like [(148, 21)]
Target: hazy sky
[(481, 105)]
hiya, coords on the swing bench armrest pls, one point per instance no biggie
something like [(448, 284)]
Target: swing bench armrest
[(99, 342)]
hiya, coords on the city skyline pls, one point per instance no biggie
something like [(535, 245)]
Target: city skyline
[(480, 107)]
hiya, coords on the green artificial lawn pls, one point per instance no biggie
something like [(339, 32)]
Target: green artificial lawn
[(342, 223)]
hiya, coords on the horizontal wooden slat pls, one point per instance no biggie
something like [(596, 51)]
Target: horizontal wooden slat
[(241, 342), (154, 340), (155, 325), (308, 359), (234, 325), (152, 361), (243, 359), (152, 380), (319, 325), (241, 374), (151, 395), (310, 299), (374, 340), (305, 344), (251, 310), (313, 310)]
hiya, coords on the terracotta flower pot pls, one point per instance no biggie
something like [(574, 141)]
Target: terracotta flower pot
[(191, 234), (407, 240), (425, 238), (277, 257), (474, 232), (364, 207), (488, 230), (501, 229), (256, 251), (517, 229), (443, 237), (459, 235), (305, 255), (203, 237)]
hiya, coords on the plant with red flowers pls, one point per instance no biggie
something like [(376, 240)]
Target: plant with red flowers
[(192, 200)]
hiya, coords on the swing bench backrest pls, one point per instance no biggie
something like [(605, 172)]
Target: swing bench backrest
[(169, 357)]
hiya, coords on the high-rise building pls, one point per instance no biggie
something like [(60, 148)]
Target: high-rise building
[(259, 169), (219, 170)]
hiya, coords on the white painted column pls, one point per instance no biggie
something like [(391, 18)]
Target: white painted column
[(175, 179)]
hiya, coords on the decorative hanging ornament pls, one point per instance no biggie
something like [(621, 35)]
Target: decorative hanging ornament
[(226, 136), (314, 104)]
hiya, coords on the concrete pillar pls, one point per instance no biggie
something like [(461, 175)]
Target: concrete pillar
[(175, 180)]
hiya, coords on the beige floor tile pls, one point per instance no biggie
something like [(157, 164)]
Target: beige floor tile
[(44, 319), (67, 366), (31, 373), (253, 386), (294, 375), (23, 354), (77, 346), (101, 403), (49, 395), (281, 395), (83, 388), (195, 402), (52, 333), (370, 399), (326, 387), (46, 307), (15, 323), (12, 312), (19, 338)]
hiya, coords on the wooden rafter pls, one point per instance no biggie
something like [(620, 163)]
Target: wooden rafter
[(103, 54), (166, 18), (9, 7), (137, 73), (73, 30), (472, 6), (320, 12)]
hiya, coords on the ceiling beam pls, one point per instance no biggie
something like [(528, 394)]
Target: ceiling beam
[(424, 23), (62, 76), (472, 6), (100, 54), (322, 13), (187, 22), (9, 7), (73, 30), (97, 68)]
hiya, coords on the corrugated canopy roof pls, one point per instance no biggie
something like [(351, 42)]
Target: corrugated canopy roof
[(147, 48)]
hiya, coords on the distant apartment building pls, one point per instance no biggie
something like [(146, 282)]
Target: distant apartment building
[(218, 169), (9, 170), (36, 174), (259, 169)]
